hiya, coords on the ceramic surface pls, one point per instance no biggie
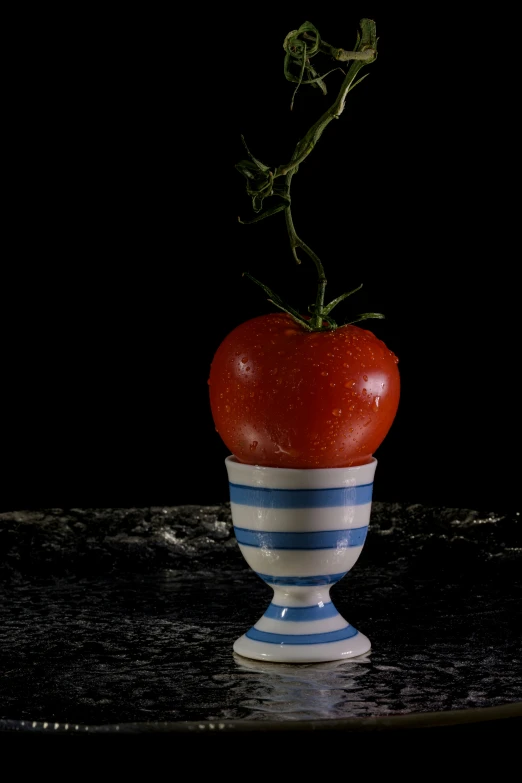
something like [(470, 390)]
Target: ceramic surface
[(301, 531)]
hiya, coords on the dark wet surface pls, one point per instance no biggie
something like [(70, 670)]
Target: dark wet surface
[(121, 616)]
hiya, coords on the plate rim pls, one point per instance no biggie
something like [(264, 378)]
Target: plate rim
[(415, 720)]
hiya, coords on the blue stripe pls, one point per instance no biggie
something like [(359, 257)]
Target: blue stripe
[(302, 581), (321, 539), (301, 638), (264, 497), (301, 613)]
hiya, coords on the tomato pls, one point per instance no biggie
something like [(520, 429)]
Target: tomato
[(284, 397)]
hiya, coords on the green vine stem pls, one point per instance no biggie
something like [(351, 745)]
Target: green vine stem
[(262, 181)]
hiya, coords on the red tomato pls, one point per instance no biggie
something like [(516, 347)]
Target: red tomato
[(284, 397)]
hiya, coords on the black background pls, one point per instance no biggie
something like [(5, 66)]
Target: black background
[(124, 269)]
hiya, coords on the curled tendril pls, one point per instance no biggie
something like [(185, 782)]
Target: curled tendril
[(259, 178), (298, 53)]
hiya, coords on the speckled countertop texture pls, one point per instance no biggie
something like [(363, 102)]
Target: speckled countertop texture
[(114, 616)]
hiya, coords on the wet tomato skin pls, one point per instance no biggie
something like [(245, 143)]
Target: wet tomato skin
[(284, 397)]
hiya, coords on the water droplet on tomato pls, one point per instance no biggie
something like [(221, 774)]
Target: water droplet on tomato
[(227, 408), (375, 405), (244, 360), (247, 369), (253, 445), (324, 372), (349, 384), (336, 412), (251, 394), (365, 377), (332, 385), (346, 364), (364, 392), (221, 396)]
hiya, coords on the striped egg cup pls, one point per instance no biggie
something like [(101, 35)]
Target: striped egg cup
[(301, 531)]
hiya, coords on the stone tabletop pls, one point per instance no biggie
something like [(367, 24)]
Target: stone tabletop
[(118, 617)]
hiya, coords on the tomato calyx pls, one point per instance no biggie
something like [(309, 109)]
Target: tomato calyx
[(320, 320)]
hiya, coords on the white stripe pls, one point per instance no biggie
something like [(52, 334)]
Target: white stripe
[(294, 520), (312, 626), (302, 653), (302, 562), (294, 595), (290, 478)]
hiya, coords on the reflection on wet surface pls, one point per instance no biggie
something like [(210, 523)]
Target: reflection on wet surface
[(305, 692)]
